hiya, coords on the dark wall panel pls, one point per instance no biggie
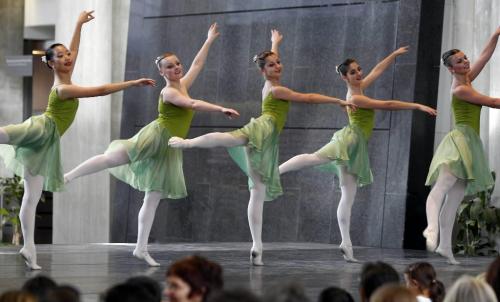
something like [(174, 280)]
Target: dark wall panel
[(317, 36)]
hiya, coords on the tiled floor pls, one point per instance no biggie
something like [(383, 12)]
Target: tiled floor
[(95, 267)]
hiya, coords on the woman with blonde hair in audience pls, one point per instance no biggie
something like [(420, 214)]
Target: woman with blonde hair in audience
[(469, 289)]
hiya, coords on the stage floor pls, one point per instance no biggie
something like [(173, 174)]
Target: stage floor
[(95, 267)]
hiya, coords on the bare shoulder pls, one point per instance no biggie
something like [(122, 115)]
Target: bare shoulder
[(462, 91), (280, 91)]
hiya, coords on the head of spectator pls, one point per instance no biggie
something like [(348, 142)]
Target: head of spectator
[(193, 279), (148, 284), (63, 293), (468, 289), (127, 292), (234, 295), (289, 292), (39, 286), (373, 276), (493, 276), (17, 296), (420, 278), (393, 293), (334, 294)]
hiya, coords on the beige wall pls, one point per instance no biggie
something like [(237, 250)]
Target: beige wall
[(82, 213), (468, 25)]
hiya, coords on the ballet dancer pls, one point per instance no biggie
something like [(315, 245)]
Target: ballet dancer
[(145, 161), (459, 166), (346, 154), (255, 146), (32, 149)]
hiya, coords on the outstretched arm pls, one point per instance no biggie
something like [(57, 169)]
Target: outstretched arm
[(73, 91), (173, 96), (276, 38), (485, 55), (284, 93), (200, 58), (74, 45), (365, 102), (382, 66), (470, 95)]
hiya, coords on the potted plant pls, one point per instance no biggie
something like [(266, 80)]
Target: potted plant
[(11, 192), (477, 225)]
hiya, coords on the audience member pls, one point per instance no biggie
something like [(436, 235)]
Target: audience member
[(469, 289)]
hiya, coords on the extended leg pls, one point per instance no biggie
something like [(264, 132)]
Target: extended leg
[(210, 140), (145, 221), (33, 186), (98, 163), (348, 187), (447, 219), (302, 161), (444, 183)]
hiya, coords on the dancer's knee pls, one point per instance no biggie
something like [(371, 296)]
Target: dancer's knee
[(116, 158)]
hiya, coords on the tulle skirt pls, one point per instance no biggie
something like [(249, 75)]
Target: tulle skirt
[(348, 147), (462, 151), (34, 146), (154, 166), (260, 154)]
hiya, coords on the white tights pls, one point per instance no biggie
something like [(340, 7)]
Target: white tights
[(145, 221), (441, 216), (33, 186), (257, 192), (348, 187), (98, 163)]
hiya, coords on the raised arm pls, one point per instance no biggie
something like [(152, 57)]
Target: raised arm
[(468, 94), (200, 58), (382, 66), (173, 96), (74, 45), (365, 102), (276, 38), (485, 55), (284, 93), (70, 91)]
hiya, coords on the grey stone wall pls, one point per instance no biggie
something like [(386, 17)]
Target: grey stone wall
[(317, 36)]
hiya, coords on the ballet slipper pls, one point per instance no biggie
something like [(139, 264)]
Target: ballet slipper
[(347, 253), (448, 254), (29, 258), (256, 257), (144, 255), (178, 142), (431, 239)]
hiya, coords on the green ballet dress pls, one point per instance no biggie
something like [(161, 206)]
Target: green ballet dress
[(348, 147), (261, 152), (34, 145), (462, 150), (154, 166)]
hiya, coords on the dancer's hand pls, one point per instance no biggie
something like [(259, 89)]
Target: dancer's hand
[(348, 106), (145, 82), (276, 36), (230, 113), (497, 32), (427, 109), (213, 32), (401, 50), (85, 17)]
